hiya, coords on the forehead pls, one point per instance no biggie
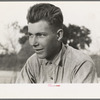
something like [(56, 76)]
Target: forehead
[(39, 26)]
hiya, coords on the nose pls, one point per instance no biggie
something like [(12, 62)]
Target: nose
[(33, 41)]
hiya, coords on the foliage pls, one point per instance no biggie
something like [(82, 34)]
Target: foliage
[(77, 37), (23, 39), (12, 34), (24, 31)]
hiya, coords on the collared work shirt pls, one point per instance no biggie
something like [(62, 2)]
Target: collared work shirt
[(69, 66)]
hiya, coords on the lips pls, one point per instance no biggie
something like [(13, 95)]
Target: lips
[(38, 50)]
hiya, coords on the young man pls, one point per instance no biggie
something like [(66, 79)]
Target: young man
[(53, 62)]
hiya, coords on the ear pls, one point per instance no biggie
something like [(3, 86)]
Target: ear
[(60, 34)]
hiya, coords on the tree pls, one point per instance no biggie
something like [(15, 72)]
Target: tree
[(12, 34), (9, 49), (76, 36), (24, 31), (4, 49)]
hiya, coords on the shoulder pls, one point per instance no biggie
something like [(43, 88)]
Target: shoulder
[(77, 55), (76, 59), (32, 57), (78, 62), (32, 60)]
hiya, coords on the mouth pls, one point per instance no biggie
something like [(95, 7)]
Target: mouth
[(38, 50)]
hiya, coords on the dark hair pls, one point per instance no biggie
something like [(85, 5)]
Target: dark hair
[(47, 12)]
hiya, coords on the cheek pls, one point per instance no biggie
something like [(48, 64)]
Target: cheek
[(30, 42), (45, 42), (49, 43)]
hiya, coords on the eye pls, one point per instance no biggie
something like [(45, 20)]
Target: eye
[(40, 34), (30, 34)]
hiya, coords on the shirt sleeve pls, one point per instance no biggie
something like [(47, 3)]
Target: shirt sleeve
[(25, 75), (85, 73)]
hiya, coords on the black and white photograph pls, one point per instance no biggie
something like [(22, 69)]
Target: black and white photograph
[(49, 42)]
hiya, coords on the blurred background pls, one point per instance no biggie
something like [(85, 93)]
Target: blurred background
[(81, 31)]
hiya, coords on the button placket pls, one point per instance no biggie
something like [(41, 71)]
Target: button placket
[(51, 73)]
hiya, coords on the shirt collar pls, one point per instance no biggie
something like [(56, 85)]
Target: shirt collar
[(58, 59)]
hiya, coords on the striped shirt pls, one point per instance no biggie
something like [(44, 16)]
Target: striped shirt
[(69, 66)]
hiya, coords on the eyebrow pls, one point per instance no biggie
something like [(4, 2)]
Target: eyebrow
[(36, 33)]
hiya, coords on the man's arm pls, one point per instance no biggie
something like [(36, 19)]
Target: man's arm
[(84, 73), (25, 75)]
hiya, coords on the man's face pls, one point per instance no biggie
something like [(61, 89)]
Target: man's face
[(43, 39)]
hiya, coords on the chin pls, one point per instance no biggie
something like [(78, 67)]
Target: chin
[(41, 56)]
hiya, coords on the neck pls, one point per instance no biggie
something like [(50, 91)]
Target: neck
[(55, 53)]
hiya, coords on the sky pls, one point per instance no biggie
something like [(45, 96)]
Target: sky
[(78, 13)]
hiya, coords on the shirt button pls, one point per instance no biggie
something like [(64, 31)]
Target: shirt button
[(50, 62), (51, 78)]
